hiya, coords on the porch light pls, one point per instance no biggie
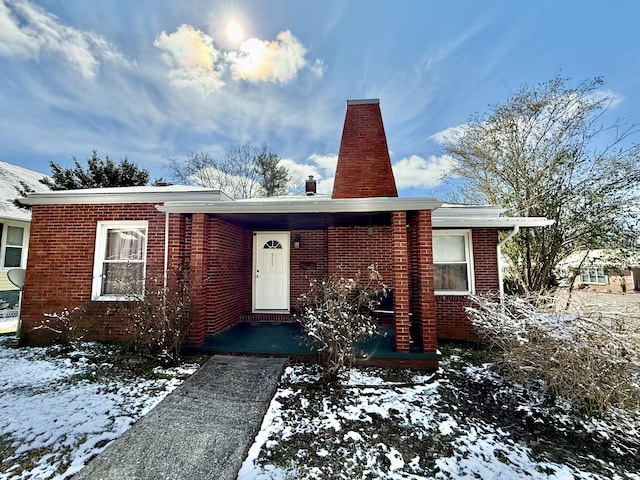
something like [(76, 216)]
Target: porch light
[(296, 241)]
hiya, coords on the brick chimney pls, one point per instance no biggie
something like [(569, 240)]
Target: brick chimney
[(364, 166)]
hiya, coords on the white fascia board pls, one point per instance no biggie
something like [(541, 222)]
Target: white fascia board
[(483, 222), (303, 205), (462, 211), (123, 195), (12, 217)]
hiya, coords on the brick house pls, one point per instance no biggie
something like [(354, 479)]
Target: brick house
[(251, 259)]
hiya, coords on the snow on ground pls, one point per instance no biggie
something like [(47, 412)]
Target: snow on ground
[(58, 411), (377, 426)]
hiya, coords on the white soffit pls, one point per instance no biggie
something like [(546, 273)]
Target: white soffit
[(284, 205), (124, 195)]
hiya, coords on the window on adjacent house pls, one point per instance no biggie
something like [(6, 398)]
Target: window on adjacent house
[(13, 243), (594, 275), (452, 262), (120, 260)]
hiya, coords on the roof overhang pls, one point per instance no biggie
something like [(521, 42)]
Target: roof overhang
[(124, 195), (302, 205), (499, 222), (313, 212)]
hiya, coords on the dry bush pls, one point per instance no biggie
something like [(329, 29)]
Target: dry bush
[(336, 315), (591, 358), (66, 327), (159, 323)]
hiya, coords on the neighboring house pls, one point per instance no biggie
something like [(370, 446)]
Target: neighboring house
[(603, 270), (249, 260), (14, 230)]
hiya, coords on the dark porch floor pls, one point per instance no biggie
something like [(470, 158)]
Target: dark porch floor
[(288, 339)]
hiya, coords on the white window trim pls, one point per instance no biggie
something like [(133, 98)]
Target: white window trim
[(468, 247), (604, 276), (98, 257), (3, 243)]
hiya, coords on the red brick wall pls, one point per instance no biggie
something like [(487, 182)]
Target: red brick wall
[(421, 283), (307, 262), (60, 264), (353, 249), (227, 279), (400, 259), (452, 320), (364, 167)]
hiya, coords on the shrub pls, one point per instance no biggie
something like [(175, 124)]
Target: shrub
[(158, 324), (591, 358), (68, 326), (336, 315)]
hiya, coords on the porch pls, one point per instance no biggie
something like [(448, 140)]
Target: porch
[(288, 339)]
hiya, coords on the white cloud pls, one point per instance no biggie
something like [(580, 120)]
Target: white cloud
[(192, 57), (415, 171), (318, 68), (322, 167), (447, 134), (27, 31), (260, 60), (195, 61), (608, 97)]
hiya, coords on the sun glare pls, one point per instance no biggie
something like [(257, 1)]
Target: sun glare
[(235, 33)]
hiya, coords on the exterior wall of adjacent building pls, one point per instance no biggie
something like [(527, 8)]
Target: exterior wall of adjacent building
[(9, 293), (610, 282)]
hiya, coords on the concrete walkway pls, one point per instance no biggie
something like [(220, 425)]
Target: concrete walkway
[(202, 430)]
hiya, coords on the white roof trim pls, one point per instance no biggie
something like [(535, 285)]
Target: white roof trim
[(16, 218), (311, 204), (485, 222), (124, 195), (190, 199)]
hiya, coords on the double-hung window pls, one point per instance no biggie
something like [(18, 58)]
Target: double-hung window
[(13, 239), (453, 262), (120, 260)]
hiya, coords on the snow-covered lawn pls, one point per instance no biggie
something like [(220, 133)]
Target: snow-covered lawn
[(462, 422), (59, 410)]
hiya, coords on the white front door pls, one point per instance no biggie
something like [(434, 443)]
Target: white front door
[(271, 271)]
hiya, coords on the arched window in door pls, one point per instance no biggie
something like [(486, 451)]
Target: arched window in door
[(272, 244)]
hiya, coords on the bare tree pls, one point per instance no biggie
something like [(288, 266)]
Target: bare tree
[(244, 171), (547, 152)]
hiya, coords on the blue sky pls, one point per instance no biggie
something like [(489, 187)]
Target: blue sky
[(152, 78)]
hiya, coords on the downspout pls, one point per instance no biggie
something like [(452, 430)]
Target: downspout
[(166, 251), (513, 232)]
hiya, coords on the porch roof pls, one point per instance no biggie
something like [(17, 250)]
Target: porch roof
[(301, 205), (317, 212), (303, 212)]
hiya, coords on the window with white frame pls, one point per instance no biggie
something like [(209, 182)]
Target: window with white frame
[(120, 260), (453, 262), (13, 241), (594, 275)]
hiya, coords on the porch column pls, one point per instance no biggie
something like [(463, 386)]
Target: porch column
[(425, 294), (196, 267), (401, 279)]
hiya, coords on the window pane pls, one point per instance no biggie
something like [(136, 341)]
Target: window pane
[(125, 244), (14, 236), (448, 248), (12, 256), (122, 278), (451, 277)]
